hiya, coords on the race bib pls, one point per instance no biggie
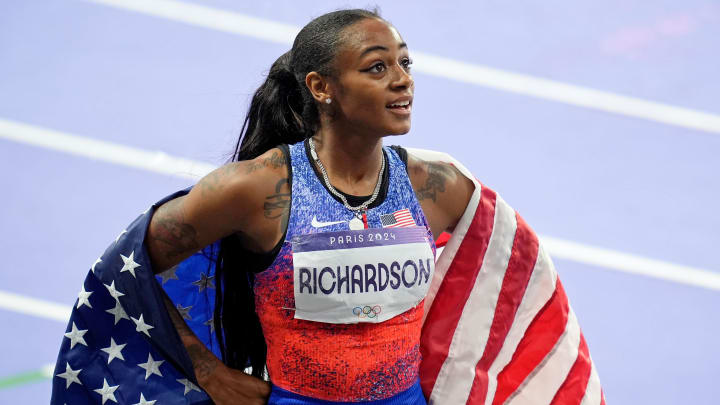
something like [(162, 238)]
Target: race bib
[(368, 275)]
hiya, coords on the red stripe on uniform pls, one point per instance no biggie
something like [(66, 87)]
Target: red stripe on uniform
[(540, 338), (520, 267), (572, 390), (444, 314)]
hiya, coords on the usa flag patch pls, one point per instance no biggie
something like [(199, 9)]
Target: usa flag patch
[(397, 219)]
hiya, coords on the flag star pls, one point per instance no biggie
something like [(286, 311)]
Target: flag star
[(118, 312), (188, 385), (76, 336), (143, 401), (211, 323), (130, 264), (151, 366), (83, 297), (184, 311), (70, 375), (114, 351), (169, 274), (141, 326), (95, 264), (121, 234), (107, 391), (115, 293), (204, 282)]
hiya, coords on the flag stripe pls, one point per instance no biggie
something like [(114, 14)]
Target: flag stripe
[(539, 339), (540, 387), (447, 252), (455, 290), (519, 269), (572, 390), (471, 334), (592, 391), (540, 289)]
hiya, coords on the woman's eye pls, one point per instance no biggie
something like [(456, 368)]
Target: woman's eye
[(406, 63), (377, 68)]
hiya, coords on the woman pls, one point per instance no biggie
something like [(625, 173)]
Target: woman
[(344, 85)]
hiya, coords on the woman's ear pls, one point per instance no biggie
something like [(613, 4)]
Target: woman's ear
[(319, 87)]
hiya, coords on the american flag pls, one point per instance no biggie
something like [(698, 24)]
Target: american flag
[(397, 219), (120, 346), (498, 327)]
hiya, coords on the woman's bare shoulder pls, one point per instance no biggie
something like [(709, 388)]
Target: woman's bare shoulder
[(432, 178), (441, 189), (245, 176)]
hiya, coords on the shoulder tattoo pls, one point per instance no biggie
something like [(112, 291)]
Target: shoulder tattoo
[(214, 181), (437, 175), (274, 161)]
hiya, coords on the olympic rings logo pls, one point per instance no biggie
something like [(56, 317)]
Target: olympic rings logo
[(367, 311)]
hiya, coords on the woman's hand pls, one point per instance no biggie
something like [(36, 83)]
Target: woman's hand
[(229, 386), (224, 385)]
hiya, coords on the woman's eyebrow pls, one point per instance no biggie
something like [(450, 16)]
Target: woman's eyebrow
[(380, 48)]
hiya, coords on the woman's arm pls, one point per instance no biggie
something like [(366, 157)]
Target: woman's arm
[(251, 198), (443, 192)]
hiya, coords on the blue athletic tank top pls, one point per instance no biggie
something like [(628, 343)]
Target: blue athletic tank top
[(362, 353)]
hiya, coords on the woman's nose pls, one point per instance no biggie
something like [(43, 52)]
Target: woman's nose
[(402, 78)]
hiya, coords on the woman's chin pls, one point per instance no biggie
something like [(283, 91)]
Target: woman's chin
[(400, 130)]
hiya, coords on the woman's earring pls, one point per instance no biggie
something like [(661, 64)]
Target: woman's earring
[(328, 100)]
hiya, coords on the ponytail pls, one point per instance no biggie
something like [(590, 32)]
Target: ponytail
[(275, 113)]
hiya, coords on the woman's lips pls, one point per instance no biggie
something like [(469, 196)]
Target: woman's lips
[(403, 110)]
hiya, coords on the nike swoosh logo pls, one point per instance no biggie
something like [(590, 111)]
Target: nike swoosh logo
[(317, 224)]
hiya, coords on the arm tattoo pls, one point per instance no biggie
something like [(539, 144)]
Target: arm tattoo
[(437, 174), (172, 230), (278, 205), (212, 183), (275, 161), (203, 361)]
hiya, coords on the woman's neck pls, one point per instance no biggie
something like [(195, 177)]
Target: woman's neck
[(352, 161)]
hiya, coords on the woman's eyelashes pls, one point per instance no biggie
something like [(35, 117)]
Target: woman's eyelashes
[(381, 67), (376, 68), (406, 62)]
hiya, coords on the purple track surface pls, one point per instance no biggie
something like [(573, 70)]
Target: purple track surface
[(606, 180)]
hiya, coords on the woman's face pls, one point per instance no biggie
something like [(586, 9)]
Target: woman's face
[(373, 87)]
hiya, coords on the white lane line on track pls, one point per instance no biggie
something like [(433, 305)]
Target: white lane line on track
[(34, 306), (272, 31), (171, 165), (154, 161), (633, 264)]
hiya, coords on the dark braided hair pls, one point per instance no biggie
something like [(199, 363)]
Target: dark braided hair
[(282, 111)]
